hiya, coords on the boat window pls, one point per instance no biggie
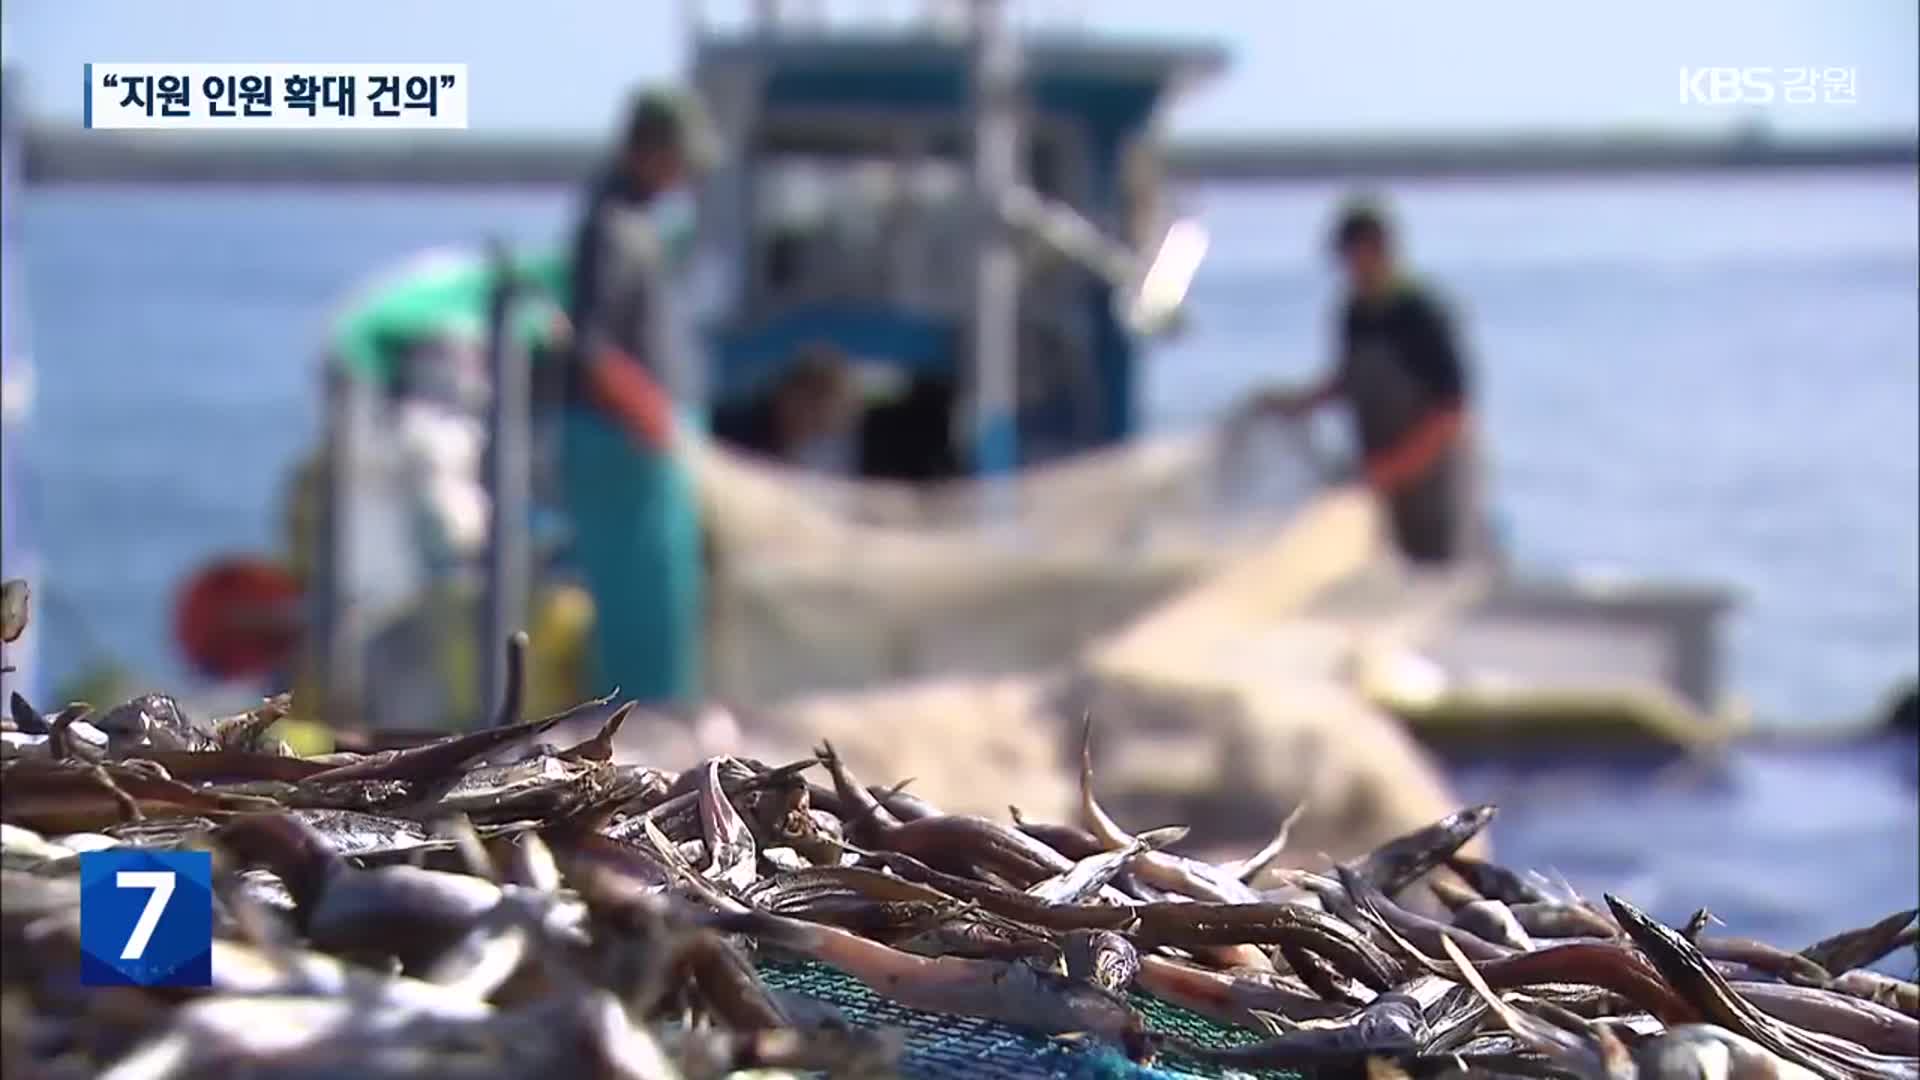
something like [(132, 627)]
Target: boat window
[(870, 229)]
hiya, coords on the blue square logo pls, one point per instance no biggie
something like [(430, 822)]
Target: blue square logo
[(146, 918)]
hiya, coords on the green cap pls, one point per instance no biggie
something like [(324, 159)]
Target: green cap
[(672, 118)]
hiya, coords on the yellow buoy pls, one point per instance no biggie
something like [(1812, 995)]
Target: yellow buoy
[(557, 649)]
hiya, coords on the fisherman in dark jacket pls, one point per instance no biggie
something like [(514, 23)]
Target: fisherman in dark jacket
[(634, 511), (1402, 374)]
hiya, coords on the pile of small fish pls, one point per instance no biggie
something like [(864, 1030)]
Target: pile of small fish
[(489, 905)]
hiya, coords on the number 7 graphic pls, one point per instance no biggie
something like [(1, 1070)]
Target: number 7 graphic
[(161, 882)]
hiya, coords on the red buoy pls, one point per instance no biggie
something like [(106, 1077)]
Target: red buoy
[(238, 618)]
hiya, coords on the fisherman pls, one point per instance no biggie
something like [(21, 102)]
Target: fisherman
[(807, 418), (630, 498), (1402, 373)]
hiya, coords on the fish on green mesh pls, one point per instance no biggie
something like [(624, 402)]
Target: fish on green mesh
[(941, 1047)]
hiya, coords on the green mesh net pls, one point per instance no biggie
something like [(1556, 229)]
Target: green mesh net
[(939, 1046)]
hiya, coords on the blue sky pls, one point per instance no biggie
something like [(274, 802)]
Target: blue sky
[(1300, 66)]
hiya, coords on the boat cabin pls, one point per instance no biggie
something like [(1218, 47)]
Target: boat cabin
[(850, 217)]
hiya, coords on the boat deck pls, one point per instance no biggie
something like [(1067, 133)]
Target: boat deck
[(1464, 657)]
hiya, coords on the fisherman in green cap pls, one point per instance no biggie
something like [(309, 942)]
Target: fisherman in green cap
[(632, 503), (1402, 374)]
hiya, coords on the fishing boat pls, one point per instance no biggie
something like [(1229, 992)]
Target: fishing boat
[(973, 218)]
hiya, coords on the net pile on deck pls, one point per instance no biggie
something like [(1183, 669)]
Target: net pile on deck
[(489, 905), (823, 582)]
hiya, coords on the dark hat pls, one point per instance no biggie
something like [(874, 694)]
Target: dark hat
[(1361, 217), (674, 120)]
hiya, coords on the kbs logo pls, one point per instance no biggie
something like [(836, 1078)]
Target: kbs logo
[(146, 918), (1765, 86)]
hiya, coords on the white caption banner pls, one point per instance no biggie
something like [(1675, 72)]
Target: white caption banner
[(276, 97)]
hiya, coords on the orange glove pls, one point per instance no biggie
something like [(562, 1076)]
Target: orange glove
[(1401, 464), (636, 400)]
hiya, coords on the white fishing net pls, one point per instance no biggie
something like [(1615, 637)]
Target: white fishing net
[(826, 583)]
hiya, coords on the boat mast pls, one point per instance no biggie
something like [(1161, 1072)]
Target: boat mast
[(509, 486), (996, 174)]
